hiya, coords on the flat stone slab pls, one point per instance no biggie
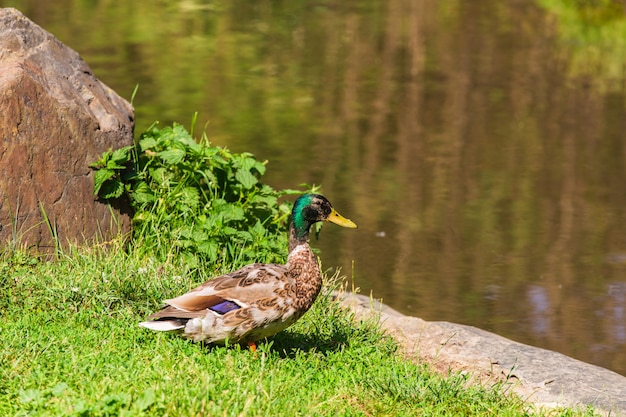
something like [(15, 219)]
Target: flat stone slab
[(542, 377)]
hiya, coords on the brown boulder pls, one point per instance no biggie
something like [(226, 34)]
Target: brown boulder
[(55, 119)]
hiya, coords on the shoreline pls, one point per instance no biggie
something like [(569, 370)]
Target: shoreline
[(541, 377)]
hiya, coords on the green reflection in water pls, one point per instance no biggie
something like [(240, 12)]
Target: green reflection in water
[(594, 33), (486, 176)]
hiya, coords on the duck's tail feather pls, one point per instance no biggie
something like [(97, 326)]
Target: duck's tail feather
[(163, 325)]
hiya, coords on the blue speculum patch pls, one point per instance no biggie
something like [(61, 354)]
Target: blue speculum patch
[(224, 307)]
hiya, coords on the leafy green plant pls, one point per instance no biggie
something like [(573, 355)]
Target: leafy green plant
[(194, 199), (111, 171)]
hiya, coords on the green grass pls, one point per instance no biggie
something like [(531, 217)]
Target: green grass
[(70, 345)]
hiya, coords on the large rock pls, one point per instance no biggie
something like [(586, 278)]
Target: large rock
[(55, 119)]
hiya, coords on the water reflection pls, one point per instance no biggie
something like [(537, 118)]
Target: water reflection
[(616, 305), (486, 179), (539, 303)]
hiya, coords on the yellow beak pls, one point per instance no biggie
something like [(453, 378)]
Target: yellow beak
[(338, 219)]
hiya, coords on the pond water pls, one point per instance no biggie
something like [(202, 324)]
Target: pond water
[(480, 146)]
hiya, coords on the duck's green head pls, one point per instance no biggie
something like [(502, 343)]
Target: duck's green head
[(312, 208)]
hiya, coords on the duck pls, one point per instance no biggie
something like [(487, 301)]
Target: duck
[(258, 300)]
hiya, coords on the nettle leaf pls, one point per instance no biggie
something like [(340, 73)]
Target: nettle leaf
[(246, 179), (245, 161), (143, 194), (114, 165), (198, 235), (217, 204), (244, 235), (111, 189), (260, 167), (258, 230), (209, 248), (285, 208), (229, 231), (158, 175), (248, 162), (210, 224), (266, 200), (181, 135), (102, 162), (190, 197), (232, 212), (208, 176), (186, 231), (172, 156), (222, 157), (121, 156), (100, 177), (147, 142)]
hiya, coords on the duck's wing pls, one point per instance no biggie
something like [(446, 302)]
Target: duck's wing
[(229, 292)]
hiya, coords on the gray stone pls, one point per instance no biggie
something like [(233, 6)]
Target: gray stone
[(56, 118), (544, 378)]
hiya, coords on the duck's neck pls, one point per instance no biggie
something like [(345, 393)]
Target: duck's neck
[(303, 267), (298, 235)]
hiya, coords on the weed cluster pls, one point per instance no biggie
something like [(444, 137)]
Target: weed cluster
[(195, 200)]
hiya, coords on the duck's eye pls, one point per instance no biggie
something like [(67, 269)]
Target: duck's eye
[(311, 212)]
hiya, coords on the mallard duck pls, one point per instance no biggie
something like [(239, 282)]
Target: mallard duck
[(258, 300)]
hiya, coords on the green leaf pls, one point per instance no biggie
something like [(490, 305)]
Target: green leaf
[(260, 167), (244, 235), (100, 177), (208, 176), (266, 200), (81, 408), (246, 161), (111, 189), (182, 136), (208, 247), (229, 231), (114, 165), (190, 196), (147, 143), (232, 212), (209, 223), (121, 156), (172, 156), (258, 230), (102, 162), (142, 193), (158, 175), (246, 179)]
